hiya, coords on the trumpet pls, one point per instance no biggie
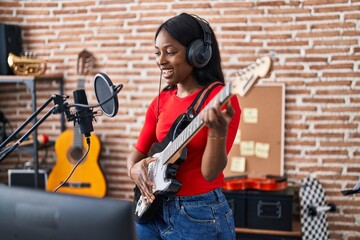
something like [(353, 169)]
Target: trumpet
[(24, 65)]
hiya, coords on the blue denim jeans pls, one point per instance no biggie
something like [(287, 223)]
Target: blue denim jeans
[(205, 216)]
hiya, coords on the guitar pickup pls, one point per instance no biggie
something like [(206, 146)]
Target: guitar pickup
[(77, 185), (171, 170)]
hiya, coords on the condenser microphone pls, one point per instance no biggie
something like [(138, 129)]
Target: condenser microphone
[(83, 115), (105, 93)]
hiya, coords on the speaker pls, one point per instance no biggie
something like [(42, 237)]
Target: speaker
[(199, 51), (10, 41), (26, 177)]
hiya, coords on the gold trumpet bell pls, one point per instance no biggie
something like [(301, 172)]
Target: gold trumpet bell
[(24, 65)]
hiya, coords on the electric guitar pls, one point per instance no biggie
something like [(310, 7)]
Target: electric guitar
[(170, 152), (88, 178)]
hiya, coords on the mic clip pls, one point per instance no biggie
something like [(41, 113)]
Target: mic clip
[(83, 115)]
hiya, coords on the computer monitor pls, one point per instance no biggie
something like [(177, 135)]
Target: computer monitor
[(31, 214)]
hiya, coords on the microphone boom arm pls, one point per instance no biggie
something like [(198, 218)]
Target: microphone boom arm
[(61, 106)]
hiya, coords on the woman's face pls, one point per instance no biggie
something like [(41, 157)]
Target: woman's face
[(171, 59)]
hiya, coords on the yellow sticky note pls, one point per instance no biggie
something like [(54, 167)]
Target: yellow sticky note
[(250, 115), (247, 148), (237, 137), (262, 150), (237, 164)]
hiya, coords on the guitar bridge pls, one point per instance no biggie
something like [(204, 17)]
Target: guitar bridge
[(77, 185)]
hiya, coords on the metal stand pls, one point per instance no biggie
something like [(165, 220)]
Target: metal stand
[(355, 190), (61, 106)]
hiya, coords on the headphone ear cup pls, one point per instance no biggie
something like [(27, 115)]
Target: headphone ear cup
[(198, 55)]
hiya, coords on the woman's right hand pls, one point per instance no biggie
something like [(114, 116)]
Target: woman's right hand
[(140, 175)]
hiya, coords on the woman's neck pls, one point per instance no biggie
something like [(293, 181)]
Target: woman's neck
[(185, 89)]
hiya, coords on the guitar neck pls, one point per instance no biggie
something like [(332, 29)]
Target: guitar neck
[(195, 125), (77, 136), (81, 82)]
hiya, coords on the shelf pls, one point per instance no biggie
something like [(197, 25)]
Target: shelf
[(30, 149), (265, 214), (295, 233)]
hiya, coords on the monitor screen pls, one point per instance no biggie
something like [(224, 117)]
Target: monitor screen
[(30, 214)]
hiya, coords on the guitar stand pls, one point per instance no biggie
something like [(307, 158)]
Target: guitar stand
[(61, 106)]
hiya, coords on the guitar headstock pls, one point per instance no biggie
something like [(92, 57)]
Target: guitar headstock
[(247, 77), (85, 62)]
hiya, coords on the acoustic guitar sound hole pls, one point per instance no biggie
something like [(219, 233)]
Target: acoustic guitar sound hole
[(75, 154)]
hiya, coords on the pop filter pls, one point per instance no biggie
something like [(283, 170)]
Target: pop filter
[(105, 93)]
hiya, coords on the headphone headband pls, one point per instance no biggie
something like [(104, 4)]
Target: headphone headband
[(205, 28)]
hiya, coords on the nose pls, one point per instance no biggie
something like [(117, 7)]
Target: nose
[(161, 59)]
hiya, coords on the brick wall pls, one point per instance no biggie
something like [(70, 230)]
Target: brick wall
[(317, 57)]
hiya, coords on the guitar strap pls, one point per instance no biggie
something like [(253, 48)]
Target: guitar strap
[(196, 105)]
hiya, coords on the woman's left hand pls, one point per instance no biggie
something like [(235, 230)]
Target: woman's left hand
[(217, 120)]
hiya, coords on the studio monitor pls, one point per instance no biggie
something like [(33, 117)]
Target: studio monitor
[(10, 42)]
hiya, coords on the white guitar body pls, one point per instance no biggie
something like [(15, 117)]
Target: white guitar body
[(158, 175)]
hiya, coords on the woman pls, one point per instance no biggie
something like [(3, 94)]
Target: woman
[(188, 56)]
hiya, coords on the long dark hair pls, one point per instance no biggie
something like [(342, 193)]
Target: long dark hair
[(185, 28)]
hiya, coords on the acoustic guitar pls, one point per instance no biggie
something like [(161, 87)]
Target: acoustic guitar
[(170, 151), (88, 178)]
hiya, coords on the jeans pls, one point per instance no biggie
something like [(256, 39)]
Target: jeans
[(205, 216)]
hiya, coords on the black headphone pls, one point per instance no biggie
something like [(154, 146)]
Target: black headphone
[(199, 51)]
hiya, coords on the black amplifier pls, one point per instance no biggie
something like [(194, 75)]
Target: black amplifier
[(26, 178)]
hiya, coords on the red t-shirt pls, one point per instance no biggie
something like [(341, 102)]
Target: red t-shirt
[(170, 107)]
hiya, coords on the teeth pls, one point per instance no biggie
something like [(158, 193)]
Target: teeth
[(168, 71)]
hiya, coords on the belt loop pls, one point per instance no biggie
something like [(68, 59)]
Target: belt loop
[(218, 194), (177, 202)]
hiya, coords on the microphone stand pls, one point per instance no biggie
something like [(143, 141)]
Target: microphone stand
[(61, 106)]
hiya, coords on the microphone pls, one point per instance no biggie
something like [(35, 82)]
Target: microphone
[(41, 139), (83, 115)]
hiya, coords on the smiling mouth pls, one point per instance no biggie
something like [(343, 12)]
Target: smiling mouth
[(167, 72)]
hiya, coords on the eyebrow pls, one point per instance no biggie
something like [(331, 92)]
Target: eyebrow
[(166, 46)]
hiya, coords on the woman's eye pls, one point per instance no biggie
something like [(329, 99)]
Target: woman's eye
[(157, 53)]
